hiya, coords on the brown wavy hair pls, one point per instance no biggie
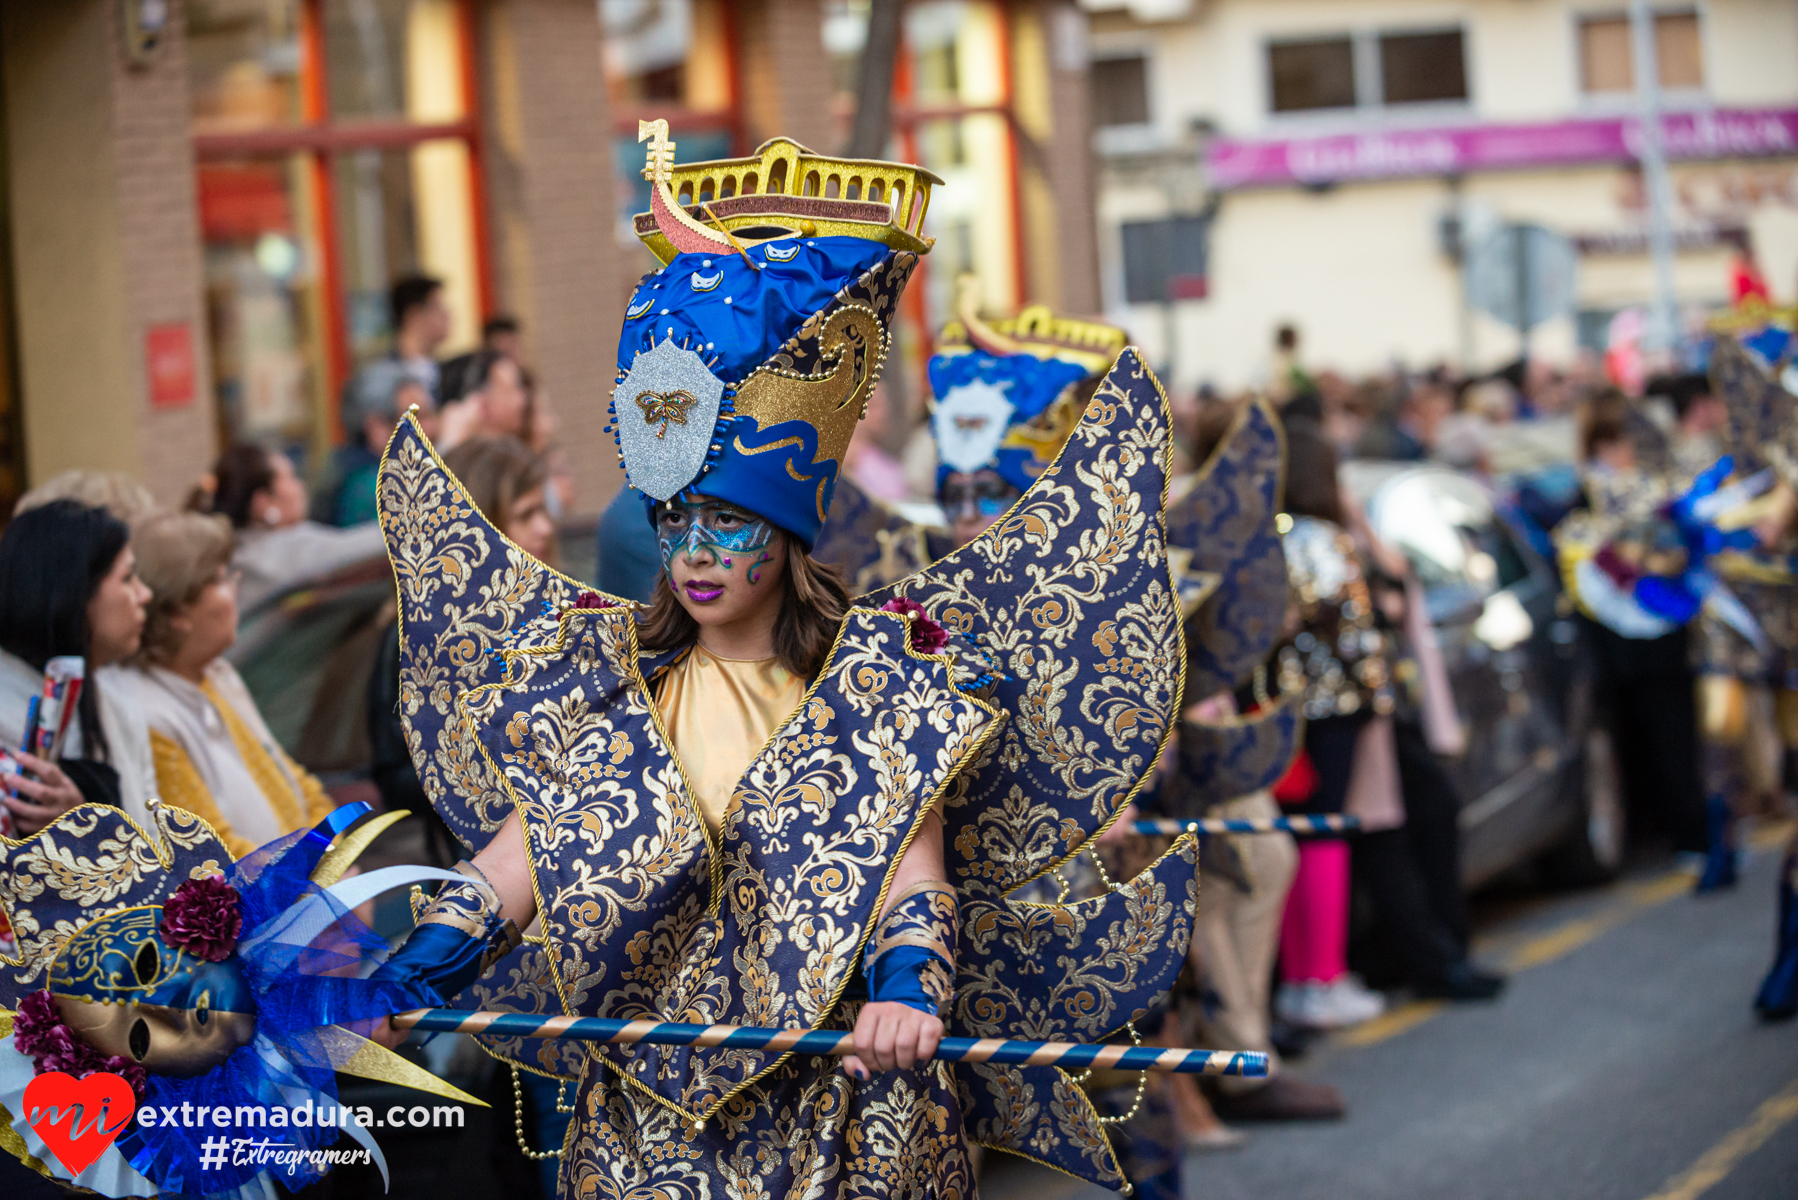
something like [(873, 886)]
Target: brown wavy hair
[(813, 603), (178, 555)]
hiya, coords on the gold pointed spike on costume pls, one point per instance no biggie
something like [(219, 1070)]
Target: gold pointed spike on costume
[(371, 1060), (348, 848)]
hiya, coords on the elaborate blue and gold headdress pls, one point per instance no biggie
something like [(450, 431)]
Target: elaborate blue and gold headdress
[(747, 360), (1004, 389)]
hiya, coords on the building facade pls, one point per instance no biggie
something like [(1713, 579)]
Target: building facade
[(205, 201), (1333, 166)]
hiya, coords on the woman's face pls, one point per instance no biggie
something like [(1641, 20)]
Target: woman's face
[(974, 501), (115, 613), (528, 524), (506, 399), (724, 563), (283, 501), (208, 625)]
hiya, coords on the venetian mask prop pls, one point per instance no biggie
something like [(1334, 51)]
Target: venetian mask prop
[(202, 981), (122, 988)]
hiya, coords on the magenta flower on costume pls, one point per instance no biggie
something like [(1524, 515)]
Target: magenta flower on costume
[(591, 600), (203, 918), (927, 637), (1622, 573), (39, 1033)]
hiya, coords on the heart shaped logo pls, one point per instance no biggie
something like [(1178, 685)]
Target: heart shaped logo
[(78, 1118)]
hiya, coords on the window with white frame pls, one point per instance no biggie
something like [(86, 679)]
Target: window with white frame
[(1369, 69)]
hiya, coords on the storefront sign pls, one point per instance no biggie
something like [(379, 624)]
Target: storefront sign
[(169, 364), (1397, 153)]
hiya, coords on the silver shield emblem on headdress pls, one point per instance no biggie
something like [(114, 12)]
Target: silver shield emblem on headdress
[(969, 423), (666, 408)]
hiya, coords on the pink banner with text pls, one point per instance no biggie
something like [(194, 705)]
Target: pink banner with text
[(1395, 153)]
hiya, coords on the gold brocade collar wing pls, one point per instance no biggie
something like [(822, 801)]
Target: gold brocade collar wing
[(1070, 597)]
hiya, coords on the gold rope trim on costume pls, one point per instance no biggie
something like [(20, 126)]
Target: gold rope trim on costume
[(178, 782)]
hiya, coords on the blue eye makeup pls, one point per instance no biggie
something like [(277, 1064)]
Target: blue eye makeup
[(685, 528)]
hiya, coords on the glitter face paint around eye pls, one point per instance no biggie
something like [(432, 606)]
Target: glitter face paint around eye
[(702, 534)]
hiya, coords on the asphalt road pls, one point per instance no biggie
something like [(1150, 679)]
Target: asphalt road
[(1623, 1063)]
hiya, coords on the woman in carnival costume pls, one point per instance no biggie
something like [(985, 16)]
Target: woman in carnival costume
[(755, 802)]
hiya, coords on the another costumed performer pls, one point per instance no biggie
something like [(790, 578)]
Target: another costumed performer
[(1007, 393), (754, 803), (1752, 369)]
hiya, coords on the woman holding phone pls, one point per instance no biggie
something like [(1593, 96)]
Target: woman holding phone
[(69, 587)]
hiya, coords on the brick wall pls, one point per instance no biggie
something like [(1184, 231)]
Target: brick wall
[(105, 242), (557, 261), (786, 79), (160, 240)]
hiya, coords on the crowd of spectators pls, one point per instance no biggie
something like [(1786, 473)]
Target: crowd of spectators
[(151, 598)]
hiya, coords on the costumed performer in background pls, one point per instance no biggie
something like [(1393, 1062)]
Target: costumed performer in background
[(1751, 368), (1007, 393)]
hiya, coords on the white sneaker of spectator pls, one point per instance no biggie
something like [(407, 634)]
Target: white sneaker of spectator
[(1334, 1005)]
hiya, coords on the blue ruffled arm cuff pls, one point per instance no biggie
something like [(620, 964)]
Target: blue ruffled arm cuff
[(458, 937), (911, 959)]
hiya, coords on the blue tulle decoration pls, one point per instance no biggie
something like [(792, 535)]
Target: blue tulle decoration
[(263, 1074), (301, 990)]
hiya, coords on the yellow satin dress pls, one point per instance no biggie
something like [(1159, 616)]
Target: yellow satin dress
[(719, 713)]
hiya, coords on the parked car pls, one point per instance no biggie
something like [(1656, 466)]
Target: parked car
[(1538, 777)]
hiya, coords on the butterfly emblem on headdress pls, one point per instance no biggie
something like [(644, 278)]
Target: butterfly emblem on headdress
[(666, 408)]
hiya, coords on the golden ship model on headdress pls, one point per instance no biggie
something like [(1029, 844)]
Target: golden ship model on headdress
[(783, 189)]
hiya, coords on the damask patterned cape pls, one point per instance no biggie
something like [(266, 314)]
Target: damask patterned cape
[(1224, 526), (515, 699)]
